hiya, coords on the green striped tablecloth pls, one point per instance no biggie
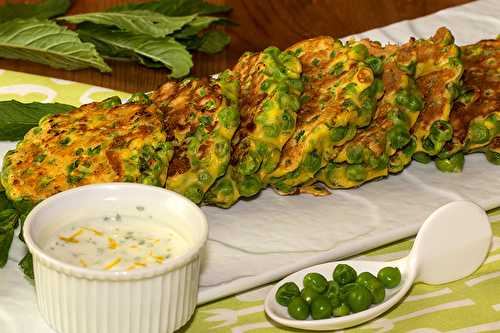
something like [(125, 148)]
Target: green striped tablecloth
[(468, 305)]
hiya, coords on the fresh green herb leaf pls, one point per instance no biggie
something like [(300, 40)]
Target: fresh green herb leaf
[(211, 42), (4, 201), (176, 8), (163, 50), (17, 118), (44, 10), (26, 265), (45, 42), (136, 21), (8, 222), (198, 24)]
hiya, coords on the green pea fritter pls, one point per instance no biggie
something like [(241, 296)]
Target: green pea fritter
[(475, 117), (340, 95), (201, 116), (95, 143), (367, 155), (269, 99), (438, 70)]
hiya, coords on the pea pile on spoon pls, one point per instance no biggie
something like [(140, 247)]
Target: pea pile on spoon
[(347, 292)]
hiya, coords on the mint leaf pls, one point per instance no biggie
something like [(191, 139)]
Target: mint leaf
[(198, 24), (26, 265), (8, 222), (17, 118), (45, 42), (44, 10), (167, 50), (211, 42), (136, 21), (176, 8)]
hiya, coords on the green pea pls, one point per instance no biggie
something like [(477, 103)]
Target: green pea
[(249, 164), (296, 84), (222, 149), (428, 144), (356, 173), (287, 122), (494, 118), (312, 162), (139, 98), (293, 103), (359, 299), (286, 293), (355, 154), (264, 86), (344, 274), (415, 103), (229, 117), (378, 163), (283, 87), (298, 308), (376, 64), (321, 308), (360, 51), (309, 294), (225, 187), (250, 186), (398, 137), (389, 276), (346, 289), (110, 102), (455, 163), (335, 301), (410, 148), (271, 161), (341, 311), (194, 193), (204, 177), (333, 289), (398, 117), (377, 88), (370, 282), (479, 133), (365, 111), (364, 277), (315, 281), (402, 97), (410, 68), (272, 131), (441, 131), (338, 133), (493, 157)]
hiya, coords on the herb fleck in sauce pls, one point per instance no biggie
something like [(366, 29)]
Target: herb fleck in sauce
[(118, 243)]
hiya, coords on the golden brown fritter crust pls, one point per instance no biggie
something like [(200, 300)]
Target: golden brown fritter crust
[(201, 116), (91, 144)]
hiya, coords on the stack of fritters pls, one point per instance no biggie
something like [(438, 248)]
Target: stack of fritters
[(366, 156), (200, 118), (319, 113), (340, 95), (475, 117), (269, 99)]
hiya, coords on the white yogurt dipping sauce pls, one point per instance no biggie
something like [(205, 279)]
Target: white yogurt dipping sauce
[(118, 243)]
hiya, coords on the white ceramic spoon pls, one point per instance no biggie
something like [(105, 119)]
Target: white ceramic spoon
[(451, 244)]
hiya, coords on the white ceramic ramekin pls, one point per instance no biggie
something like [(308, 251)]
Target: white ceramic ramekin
[(157, 299)]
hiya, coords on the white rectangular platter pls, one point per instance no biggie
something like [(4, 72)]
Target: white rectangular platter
[(260, 240)]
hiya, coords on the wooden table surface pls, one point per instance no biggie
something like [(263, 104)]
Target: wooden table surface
[(260, 23)]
